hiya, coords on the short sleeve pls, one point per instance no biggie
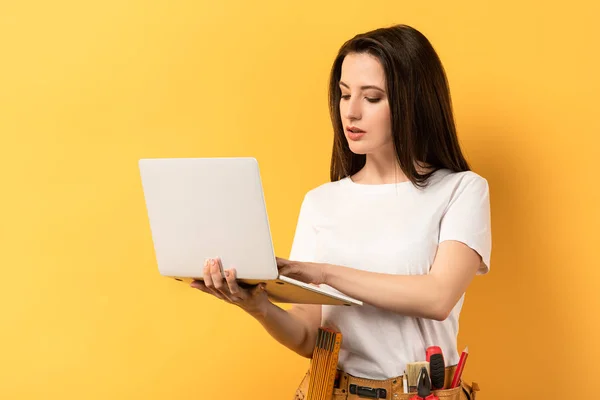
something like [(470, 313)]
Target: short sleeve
[(304, 243), (467, 218)]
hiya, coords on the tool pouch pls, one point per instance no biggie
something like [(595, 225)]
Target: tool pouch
[(303, 387), (469, 392), (392, 389)]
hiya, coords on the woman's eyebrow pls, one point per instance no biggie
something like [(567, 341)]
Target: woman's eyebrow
[(364, 87)]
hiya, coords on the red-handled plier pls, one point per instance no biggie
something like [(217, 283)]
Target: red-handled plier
[(424, 387)]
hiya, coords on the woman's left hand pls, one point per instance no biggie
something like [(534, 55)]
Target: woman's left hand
[(307, 272)]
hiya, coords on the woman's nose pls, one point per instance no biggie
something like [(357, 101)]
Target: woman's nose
[(353, 110)]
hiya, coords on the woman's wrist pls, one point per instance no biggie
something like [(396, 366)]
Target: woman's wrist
[(328, 272), (259, 312)]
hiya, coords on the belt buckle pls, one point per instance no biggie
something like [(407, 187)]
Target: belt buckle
[(368, 392)]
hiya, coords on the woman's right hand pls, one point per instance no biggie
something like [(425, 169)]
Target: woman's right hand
[(253, 300)]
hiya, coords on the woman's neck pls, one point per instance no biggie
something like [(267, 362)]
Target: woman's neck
[(382, 170)]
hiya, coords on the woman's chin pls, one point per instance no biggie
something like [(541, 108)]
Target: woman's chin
[(359, 148)]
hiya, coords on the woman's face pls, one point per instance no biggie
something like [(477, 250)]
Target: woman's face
[(364, 106)]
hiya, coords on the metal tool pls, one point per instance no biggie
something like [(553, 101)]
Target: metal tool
[(424, 387)]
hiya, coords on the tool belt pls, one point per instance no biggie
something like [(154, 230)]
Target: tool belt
[(324, 381), (348, 387)]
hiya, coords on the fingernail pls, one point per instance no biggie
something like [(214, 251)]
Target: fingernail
[(227, 273)]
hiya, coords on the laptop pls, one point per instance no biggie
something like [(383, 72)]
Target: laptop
[(201, 208)]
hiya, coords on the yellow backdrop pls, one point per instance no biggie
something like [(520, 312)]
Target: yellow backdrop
[(88, 88)]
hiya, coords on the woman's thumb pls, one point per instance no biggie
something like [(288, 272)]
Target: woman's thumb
[(259, 288)]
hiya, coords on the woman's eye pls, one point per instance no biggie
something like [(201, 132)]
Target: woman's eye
[(369, 99)]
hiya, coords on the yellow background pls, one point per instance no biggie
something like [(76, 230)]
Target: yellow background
[(88, 88)]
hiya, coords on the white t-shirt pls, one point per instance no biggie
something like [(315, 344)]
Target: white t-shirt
[(394, 229)]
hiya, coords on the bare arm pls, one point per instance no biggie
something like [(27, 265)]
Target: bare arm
[(296, 328), (429, 296)]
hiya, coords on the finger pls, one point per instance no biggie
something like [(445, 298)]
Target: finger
[(211, 291), (283, 264), (215, 274), (285, 270), (234, 288), (208, 281), (206, 274), (281, 261), (221, 284), (198, 284), (235, 300)]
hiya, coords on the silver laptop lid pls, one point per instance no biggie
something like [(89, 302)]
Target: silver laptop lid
[(208, 207)]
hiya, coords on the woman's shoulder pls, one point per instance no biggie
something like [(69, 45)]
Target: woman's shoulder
[(452, 184), (325, 190), (461, 178)]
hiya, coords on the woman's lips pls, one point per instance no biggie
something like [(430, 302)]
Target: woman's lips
[(354, 133)]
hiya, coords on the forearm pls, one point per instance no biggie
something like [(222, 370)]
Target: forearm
[(287, 328), (413, 295)]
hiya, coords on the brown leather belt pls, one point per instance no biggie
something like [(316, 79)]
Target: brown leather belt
[(352, 387)]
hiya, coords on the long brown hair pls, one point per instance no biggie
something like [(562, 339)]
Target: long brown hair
[(423, 128)]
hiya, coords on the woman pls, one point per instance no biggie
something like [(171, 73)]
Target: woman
[(404, 225)]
